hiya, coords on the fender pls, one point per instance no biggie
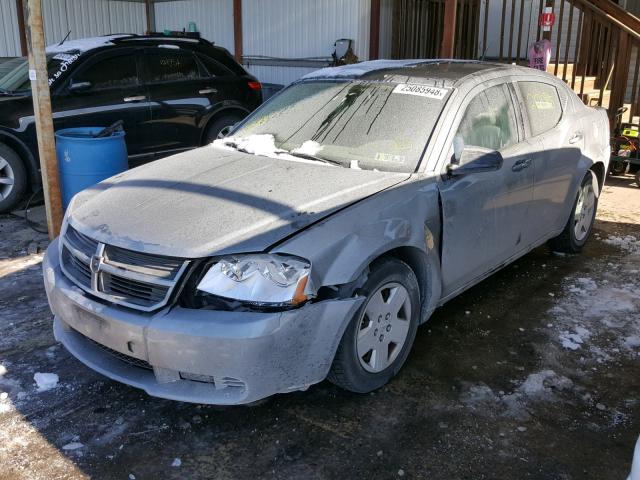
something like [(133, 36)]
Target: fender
[(31, 163)]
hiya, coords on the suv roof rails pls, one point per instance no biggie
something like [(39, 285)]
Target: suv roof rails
[(175, 36)]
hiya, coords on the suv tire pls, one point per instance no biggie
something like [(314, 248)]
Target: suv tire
[(216, 126), (13, 179)]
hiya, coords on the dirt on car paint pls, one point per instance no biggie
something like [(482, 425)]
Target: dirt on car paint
[(533, 373)]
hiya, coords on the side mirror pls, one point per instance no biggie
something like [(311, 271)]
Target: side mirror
[(475, 160), (79, 86)]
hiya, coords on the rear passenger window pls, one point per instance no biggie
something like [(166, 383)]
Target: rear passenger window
[(542, 105), (167, 65), (214, 69), (490, 120)]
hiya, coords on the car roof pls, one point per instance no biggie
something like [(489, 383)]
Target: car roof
[(83, 45), (443, 73)]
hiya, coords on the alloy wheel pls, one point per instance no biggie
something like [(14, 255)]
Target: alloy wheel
[(383, 327), (7, 179), (583, 215)]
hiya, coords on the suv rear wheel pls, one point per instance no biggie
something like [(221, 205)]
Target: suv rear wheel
[(13, 179), (217, 124)]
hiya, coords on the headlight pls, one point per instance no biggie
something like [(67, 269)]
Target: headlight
[(262, 279)]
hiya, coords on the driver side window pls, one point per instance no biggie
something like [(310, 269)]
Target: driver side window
[(489, 121)]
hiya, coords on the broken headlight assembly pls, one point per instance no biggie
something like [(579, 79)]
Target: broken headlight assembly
[(256, 280)]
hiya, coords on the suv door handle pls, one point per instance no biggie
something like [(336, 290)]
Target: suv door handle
[(206, 91), (521, 164), (576, 138), (137, 98)]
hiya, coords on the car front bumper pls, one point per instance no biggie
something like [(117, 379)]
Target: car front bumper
[(201, 356)]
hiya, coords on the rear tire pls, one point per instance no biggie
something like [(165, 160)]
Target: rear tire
[(365, 359), (13, 179), (578, 227), (638, 178), (217, 124)]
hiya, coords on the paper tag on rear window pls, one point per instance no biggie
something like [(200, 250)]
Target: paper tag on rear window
[(421, 90)]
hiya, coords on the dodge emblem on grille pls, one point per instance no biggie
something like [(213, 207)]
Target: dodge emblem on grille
[(96, 261)]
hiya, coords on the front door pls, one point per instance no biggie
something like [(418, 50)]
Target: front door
[(485, 213), (103, 90)]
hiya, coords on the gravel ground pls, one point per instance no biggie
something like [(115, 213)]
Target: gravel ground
[(532, 374)]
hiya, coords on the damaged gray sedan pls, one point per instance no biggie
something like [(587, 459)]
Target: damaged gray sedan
[(312, 241)]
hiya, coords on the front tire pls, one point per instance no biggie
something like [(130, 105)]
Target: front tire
[(580, 223), (378, 339), (13, 179)]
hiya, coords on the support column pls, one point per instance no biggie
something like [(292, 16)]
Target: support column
[(150, 12), (21, 28), (237, 30), (449, 30), (39, 77), (374, 31)]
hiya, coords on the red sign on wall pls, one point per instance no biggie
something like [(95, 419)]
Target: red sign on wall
[(547, 19)]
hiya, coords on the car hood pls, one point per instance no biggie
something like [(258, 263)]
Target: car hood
[(211, 201)]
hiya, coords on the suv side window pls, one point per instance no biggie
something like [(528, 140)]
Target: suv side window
[(118, 71), (542, 106), (169, 65), (214, 68), (490, 120)]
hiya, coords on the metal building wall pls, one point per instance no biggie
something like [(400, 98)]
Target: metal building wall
[(85, 18), (301, 29), (89, 18), (9, 35), (214, 18)]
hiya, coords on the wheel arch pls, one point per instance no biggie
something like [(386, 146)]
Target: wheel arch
[(216, 114), (29, 160), (599, 170)]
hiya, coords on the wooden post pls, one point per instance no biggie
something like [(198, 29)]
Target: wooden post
[(44, 119), (21, 29), (547, 35), (237, 30), (449, 31), (374, 31), (150, 12), (620, 75)]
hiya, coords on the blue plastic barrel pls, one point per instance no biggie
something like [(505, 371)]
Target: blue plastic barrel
[(84, 160)]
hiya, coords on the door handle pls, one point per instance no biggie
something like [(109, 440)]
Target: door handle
[(521, 164), (136, 98), (206, 91), (576, 138)]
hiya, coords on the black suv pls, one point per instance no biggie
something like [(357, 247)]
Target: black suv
[(172, 93)]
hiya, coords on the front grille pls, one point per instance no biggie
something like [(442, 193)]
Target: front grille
[(136, 362), (133, 279)]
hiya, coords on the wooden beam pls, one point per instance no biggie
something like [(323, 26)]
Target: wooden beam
[(21, 28), (237, 30), (150, 12), (547, 35), (374, 31), (449, 31), (39, 77)]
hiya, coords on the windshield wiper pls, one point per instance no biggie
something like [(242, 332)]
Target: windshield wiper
[(308, 156)]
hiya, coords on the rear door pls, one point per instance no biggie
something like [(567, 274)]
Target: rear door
[(103, 90), (559, 138), (485, 214), (181, 92)]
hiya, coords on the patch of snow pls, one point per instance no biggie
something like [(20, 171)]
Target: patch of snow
[(72, 446), (176, 462), (3, 370), (628, 243), (262, 144), (309, 147), (543, 382), (4, 396), (46, 381), (83, 44), (354, 165)]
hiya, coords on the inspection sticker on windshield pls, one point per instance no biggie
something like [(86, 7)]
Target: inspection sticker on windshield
[(421, 90)]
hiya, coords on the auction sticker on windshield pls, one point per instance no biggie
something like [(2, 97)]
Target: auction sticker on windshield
[(421, 90)]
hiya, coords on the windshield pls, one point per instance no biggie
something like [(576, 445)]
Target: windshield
[(14, 73), (368, 125)]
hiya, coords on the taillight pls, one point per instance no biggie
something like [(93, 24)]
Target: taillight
[(255, 85)]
